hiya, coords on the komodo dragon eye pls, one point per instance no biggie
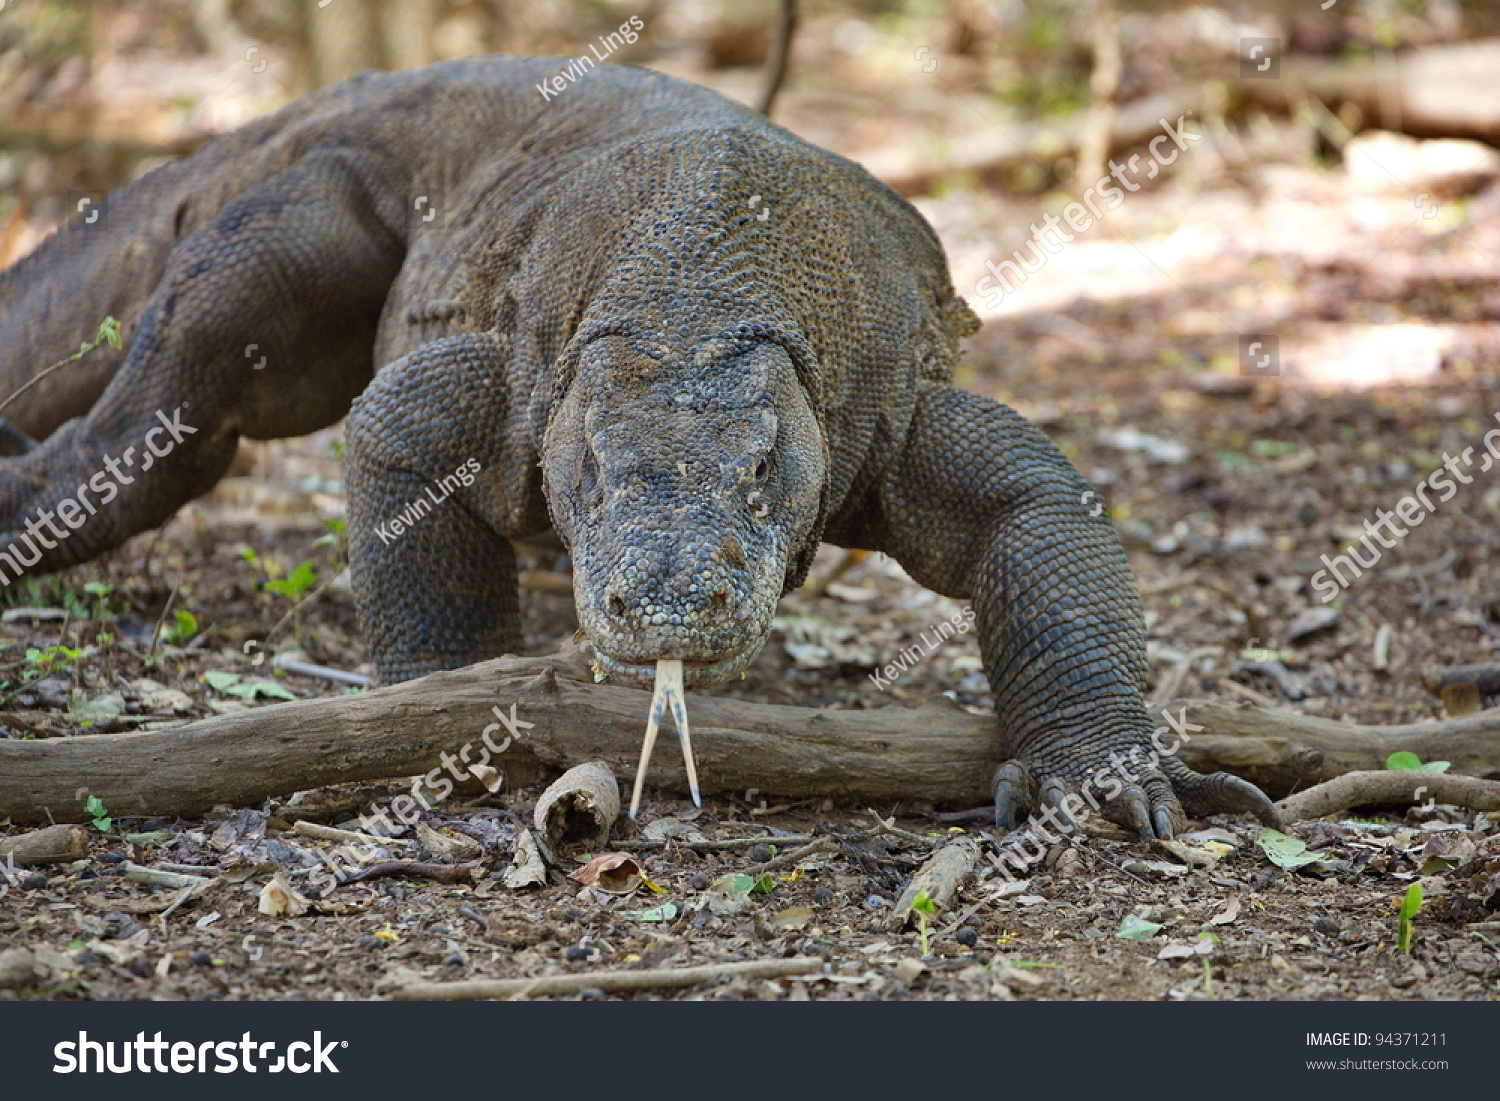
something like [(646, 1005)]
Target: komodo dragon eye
[(762, 470)]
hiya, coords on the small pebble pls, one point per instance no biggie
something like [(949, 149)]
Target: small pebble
[(874, 902), (823, 894), (760, 854), (699, 882), (140, 967), (591, 994), (368, 943), (200, 959), (454, 961), (114, 856), (33, 882), (967, 937), (1327, 926), (85, 959), (576, 953)]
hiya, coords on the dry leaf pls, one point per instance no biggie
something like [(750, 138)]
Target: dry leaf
[(1191, 855), (614, 873), (526, 867), (1228, 914), (442, 844), (492, 778), (794, 918), (279, 898)]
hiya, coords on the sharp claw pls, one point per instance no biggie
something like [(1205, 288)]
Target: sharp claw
[(1162, 819), (1011, 791), (1222, 793), (1005, 805), (1134, 800), (1054, 795)]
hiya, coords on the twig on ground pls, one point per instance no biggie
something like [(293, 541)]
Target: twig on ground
[(161, 619), (712, 846), (323, 672), (939, 879), (787, 860), (333, 833), (1356, 789), (890, 827), (155, 877), (611, 982), (417, 869)]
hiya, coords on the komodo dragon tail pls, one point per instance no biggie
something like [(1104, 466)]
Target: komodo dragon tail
[(106, 261)]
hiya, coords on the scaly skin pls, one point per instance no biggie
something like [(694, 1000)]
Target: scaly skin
[(635, 312)]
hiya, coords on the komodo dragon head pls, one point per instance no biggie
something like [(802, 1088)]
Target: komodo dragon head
[(686, 482)]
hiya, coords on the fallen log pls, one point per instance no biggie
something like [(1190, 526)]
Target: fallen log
[(53, 845), (1443, 91), (936, 753)]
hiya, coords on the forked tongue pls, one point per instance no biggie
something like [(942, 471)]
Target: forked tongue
[(668, 693)]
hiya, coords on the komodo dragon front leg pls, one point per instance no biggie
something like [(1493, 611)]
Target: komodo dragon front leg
[(439, 475), (981, 504), (297, 267)]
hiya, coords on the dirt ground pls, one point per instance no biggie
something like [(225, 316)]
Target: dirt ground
[(1226, 490)]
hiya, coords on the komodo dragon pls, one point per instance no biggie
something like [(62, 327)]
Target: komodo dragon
[(694, 343)]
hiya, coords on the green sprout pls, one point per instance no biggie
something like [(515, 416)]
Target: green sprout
[(1409, 907), (924, 908), (183, 630), (295, 584), (102, 820), (1410, 762), (100, 591)]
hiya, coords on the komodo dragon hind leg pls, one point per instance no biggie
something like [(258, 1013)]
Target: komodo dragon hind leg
[(439, 475), (981, 504), (294, 270)]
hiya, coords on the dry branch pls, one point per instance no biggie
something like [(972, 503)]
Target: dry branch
[(939, 879), (53, 845), (607, 981), (1400, 789), (935, 753)]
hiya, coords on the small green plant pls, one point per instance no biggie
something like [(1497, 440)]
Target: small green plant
[(52, 659), (337, 537), (183, 630), (100, 591), (1409, 907), (295, 584), (100, 816), (923, 907), (41, 662), (109, 333), (1410, 762)]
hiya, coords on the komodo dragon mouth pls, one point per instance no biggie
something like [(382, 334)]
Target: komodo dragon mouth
[(696, 674)]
